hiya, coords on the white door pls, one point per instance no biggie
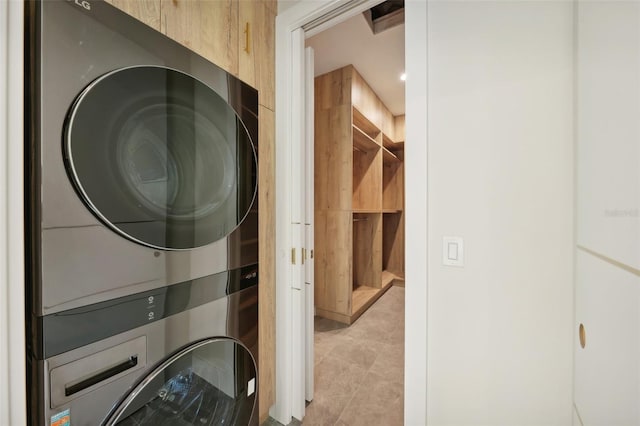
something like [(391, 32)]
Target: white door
[(302, 232), (308, 222), (298, 206)]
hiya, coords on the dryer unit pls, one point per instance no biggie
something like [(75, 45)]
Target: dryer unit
[(142, 201)]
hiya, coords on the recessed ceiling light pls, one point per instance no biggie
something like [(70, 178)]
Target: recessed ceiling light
[(403, 76)]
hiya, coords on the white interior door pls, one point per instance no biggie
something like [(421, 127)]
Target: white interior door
[(298, 206), (308, 222), (302, 231)]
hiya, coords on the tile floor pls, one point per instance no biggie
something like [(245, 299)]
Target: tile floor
[(359, 369)]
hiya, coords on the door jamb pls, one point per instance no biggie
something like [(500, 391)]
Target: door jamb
[(13, 398)]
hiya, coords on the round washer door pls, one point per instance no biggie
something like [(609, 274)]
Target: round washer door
[(160, 158), (209, 383)]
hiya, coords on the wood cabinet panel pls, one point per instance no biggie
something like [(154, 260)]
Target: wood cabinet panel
[(367, 180), (367, 250), (399, 124), (333, 89), (393, 183), (209, 28), (333, 251), (365, 99), (387, 122), (147, 11), (393, 243), (256, 55), (333, 159), (267, 294)]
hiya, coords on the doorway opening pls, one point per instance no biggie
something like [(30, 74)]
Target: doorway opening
[(359, 111), (373, 270)]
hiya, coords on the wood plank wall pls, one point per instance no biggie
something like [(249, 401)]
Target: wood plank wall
[(216, 30)]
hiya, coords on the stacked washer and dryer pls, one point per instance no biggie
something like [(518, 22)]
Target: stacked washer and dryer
[(143, 236)]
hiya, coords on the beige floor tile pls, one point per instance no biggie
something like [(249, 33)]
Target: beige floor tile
[(373, 329), (323, 325), (359, 352), (334, 376), (324, 343), (325, 409), (390, 369), (359, 369), (377, 402)]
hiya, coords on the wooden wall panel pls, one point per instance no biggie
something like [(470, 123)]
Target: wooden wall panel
[(365, 99), (333, 159), (209, 28), (387, 122), (367, 180), (368, 103), (147, 11), (393, 185), (367, 250), (393, 243), (333, 89), (399, 124), (267, 294), (256, 55), (333, 250)]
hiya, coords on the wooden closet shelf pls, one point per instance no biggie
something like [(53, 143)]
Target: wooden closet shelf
[(389, 277), (364, 296), (366, 211), (391, 211), (389, 143), (362, 141), (363, 123), (389, 156)]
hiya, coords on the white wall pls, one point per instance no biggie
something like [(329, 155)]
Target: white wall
[(500, 171), (286, 4), (607, 370)]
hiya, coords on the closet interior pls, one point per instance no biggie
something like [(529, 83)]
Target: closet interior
[(359, 196)]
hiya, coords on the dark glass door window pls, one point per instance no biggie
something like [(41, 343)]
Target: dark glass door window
[(160, 158), (210, 383)]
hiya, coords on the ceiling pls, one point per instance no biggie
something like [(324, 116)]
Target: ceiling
[(378, 58)]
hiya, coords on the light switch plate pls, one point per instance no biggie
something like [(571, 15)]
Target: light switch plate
[(453, 251)]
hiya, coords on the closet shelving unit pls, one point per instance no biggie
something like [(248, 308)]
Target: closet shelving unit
[(359, 196)]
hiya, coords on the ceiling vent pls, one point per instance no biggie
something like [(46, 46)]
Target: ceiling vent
[(386, 15)]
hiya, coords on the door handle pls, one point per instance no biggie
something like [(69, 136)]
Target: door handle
[(101, 375)]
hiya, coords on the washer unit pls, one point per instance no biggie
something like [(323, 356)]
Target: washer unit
[(143, 236)]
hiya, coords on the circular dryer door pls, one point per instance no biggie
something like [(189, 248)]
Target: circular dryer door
[(209, 383), (160, 158)]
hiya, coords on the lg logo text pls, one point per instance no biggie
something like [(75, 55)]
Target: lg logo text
[(83, 3)]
